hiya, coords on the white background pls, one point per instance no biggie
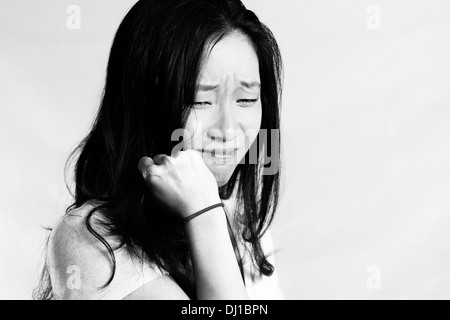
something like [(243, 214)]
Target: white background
[(366, 136)]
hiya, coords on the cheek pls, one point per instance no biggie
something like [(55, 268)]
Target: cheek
[(190, 131), (193, 131), (252, 126), (253, 120)]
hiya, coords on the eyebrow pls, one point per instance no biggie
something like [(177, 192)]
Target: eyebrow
[(248, 85), (207, 87)]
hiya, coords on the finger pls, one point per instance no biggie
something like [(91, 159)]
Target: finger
[(145, 164), (160, 158), (194, 156)]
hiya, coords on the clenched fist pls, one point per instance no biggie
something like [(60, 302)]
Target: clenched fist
[(182, 182)]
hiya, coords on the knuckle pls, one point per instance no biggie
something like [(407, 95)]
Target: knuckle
[(169, 160), (148, 171)]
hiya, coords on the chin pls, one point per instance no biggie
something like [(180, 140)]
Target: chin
[(222, 173)]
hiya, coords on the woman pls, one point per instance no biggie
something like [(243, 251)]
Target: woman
[(136, 229)]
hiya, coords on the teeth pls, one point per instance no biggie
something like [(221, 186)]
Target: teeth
[(220, 153)]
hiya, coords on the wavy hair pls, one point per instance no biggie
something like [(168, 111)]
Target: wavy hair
[(152, 73)]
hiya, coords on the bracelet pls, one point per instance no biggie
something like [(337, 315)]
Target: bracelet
[(192, 216)]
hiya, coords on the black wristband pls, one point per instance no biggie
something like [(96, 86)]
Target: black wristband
[(192, 216)]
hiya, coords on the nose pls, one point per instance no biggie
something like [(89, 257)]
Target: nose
[(226, 126)]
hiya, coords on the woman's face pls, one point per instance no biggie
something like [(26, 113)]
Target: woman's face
[(227, 109)]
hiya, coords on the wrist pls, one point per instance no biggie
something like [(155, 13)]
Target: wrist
[(209, 222), (197, 205), (198, 213)]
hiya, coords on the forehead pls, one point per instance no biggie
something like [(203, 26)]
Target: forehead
[(232, 58)]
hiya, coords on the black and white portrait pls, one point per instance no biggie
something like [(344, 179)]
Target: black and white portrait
[(224, 150)]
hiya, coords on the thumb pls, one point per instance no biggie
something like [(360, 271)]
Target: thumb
[(145, 164)]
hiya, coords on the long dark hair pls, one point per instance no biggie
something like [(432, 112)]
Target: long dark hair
[(152, 73)]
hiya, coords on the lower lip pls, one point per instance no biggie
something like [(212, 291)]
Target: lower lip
[(228, 156)]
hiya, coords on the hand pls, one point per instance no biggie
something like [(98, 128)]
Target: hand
[(182, 182)]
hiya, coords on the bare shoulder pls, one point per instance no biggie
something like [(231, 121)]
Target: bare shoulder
[(75, 258), (70, 238), (80, 265)]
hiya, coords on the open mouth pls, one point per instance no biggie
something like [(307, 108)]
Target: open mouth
[(220, 153)]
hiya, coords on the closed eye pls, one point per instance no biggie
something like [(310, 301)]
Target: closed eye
[(242, 101), (247, 101), (202, 103)]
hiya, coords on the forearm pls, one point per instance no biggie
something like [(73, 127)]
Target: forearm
[(216, 270)]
